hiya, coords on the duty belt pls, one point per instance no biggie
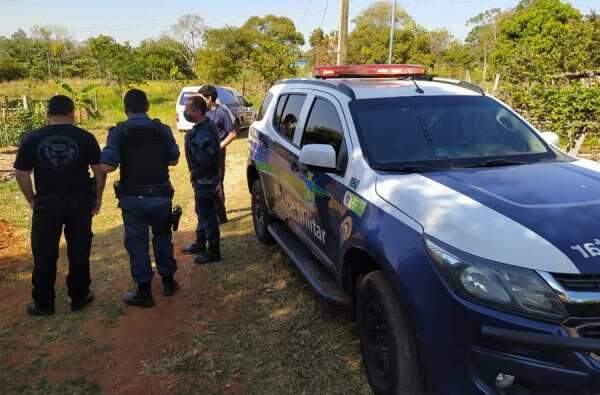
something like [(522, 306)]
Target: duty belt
[(144, 190)]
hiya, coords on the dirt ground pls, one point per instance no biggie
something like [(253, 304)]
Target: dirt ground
[(248, 325)]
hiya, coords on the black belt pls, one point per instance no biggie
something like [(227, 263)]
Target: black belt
[(144, 190)]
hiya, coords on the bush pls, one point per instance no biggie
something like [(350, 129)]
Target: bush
[(569, 110), (18, 123)]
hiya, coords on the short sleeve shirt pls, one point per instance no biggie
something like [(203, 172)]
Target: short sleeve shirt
[(222, 120), (60, 157)]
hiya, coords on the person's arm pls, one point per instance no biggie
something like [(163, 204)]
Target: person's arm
[(229, 124), (110, 159), (25, 185), (24, 163), (173, 147), (100, 176)]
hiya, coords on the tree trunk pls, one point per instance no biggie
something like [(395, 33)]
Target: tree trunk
[(578, 144)]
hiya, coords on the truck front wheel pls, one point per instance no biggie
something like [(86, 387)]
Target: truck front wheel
[(260, 214), (387, 342)]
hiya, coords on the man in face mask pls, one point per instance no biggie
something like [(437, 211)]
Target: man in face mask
[(202, 152)]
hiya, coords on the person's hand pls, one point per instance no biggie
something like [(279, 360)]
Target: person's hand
[(97, 207), (222, 146)]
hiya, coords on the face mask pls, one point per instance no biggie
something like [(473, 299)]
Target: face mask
[(188, 117)]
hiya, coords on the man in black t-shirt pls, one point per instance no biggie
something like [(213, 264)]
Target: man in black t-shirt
[(60, 156)]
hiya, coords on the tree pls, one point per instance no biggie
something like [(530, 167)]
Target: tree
[(225, 54), (158, 58), (57, 43), (542, 38), (322, 47), (187, 36), (369, 40), (82, 98), (484, 35), (116, 63), (273, 60)]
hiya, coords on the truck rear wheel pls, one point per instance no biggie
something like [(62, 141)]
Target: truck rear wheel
[(387, 342), (260, 214)]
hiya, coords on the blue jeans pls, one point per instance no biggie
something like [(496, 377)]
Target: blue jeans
[(140, 214)]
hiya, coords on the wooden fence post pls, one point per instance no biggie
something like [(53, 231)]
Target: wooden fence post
[(25, 103), (468, 76), (4, 115), (96, 100)]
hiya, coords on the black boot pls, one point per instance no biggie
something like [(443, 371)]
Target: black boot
[(77, 305), (142, 297), (194, 248), (33, 309), (212, 255), (170, 286)]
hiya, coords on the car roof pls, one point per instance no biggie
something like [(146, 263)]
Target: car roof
[(369, 88)]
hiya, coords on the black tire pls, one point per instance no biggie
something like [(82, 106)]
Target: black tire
[(387, 342), (260, 214)]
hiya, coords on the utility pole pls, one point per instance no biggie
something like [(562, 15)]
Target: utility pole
[(392, 28), (343, 32)]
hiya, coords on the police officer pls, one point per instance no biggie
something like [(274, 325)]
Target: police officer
[(144, 149), (227, 130), (60, 156), (202, 153)]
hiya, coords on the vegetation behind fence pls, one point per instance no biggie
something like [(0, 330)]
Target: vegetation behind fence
[(18, 116)]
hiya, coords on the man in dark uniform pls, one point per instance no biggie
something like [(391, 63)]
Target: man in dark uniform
[(144, 149), (60, 156), (202, 154), (227, 130)]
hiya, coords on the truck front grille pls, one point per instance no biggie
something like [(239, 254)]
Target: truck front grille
[(579, 282)]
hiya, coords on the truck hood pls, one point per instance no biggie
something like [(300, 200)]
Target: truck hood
[(543, 216)]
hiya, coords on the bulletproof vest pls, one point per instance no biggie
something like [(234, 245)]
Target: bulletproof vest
[(144, 155), (210, 173)]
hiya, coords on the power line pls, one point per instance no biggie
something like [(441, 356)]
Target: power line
[(305, 12), (324, 12)]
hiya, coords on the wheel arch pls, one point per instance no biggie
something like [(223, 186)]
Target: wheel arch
[(251, 176)]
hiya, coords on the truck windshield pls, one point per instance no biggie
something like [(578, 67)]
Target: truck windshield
[(443, 132)]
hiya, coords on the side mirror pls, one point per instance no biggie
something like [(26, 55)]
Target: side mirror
[(551, 138), (320, 157)]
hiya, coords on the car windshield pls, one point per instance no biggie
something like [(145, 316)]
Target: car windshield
[(225, 97), (444, 132)]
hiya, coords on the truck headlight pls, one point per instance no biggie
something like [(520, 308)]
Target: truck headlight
[(506, 287)]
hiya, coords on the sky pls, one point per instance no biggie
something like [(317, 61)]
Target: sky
[(133, 21)]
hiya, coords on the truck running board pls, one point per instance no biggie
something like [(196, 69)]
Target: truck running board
[(318, 277)]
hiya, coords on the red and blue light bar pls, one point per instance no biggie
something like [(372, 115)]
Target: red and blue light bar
[(368, 70)]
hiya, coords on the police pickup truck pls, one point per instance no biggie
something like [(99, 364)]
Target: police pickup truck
[(467, 242)]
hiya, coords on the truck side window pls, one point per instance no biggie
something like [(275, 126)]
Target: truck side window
[(263, 107), (324, 127), (287, 114)]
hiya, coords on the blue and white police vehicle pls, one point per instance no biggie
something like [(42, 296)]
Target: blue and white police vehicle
[(468, 243)]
